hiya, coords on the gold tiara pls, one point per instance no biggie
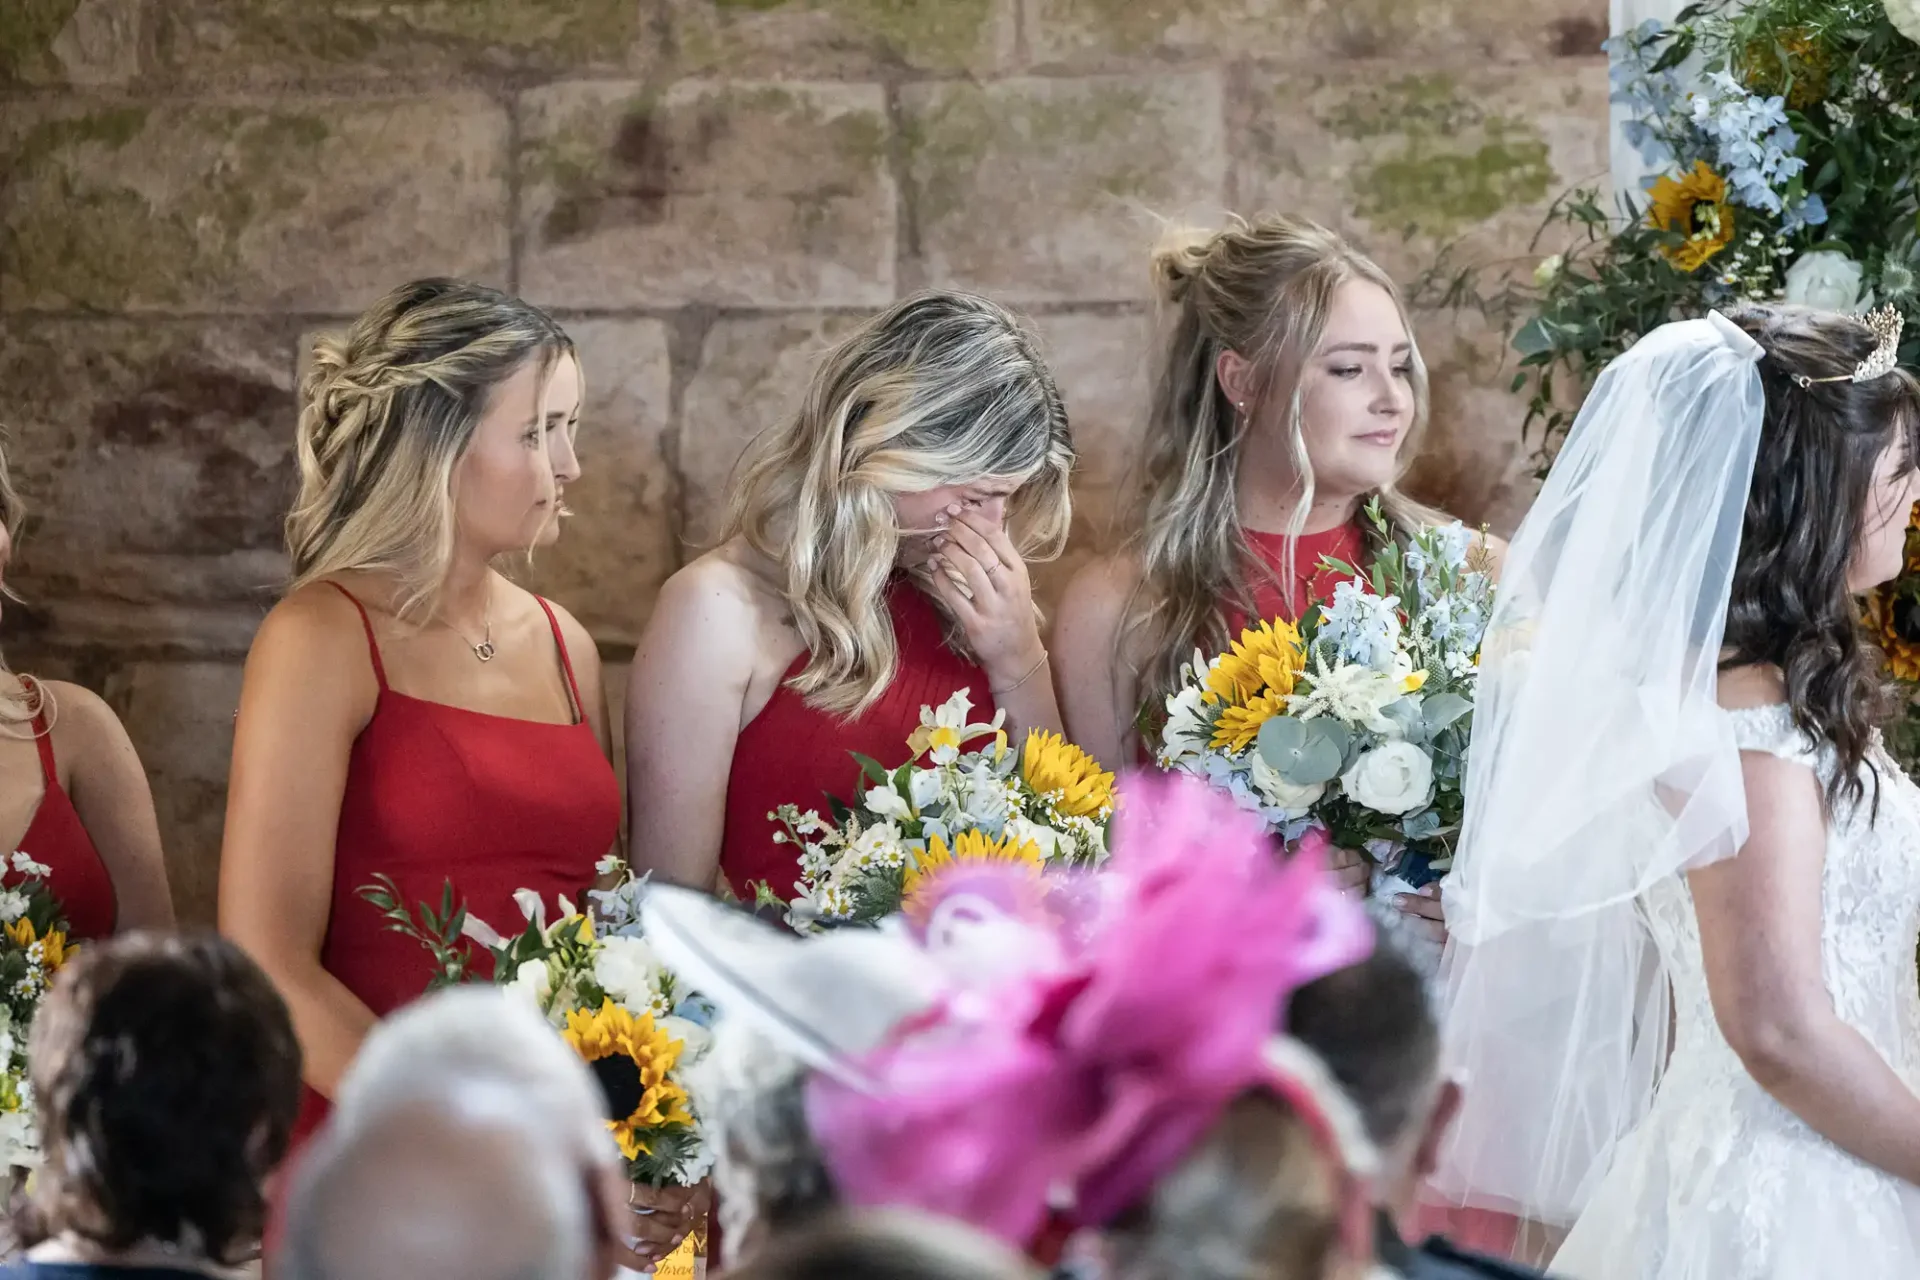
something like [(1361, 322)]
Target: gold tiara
[(1886, 324)]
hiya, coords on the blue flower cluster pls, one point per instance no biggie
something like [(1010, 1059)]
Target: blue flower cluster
[(1754, 146), (1361, 627), (1742, 135)]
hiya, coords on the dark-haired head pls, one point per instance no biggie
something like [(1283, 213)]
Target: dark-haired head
[(1826, 518), (168, 1079), (887, 1245)]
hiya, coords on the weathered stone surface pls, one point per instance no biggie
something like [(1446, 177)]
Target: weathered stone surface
[(736, 193), (1409, 164), (1102, 363), (1473, 463), (156, 459), (619, 547), (752, 375), (180, 717), (836, 38), (298, 205), (76, 42), (1039, 190), (1107, 33), (266, 42)]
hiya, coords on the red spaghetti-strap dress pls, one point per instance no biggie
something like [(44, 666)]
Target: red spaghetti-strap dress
[(57, 840), (438, 794), (792, 753)]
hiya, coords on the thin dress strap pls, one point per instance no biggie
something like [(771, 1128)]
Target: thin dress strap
[(42, 734), (373, 646), (566, 663)]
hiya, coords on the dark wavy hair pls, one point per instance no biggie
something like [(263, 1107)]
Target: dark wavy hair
[(1792, 607), (168, 1080)]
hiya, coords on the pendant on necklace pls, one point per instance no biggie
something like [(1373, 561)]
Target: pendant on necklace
[(484, 651)]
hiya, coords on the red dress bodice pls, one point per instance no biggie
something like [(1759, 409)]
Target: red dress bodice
[(792, 753), (58, 841), (1281, 594)]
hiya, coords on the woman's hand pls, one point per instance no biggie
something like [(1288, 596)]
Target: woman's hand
[(1424, 912), (983, 581), (662, 1217), (1351, 870)]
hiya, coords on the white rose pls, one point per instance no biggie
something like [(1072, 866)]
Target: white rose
[(1281, 794), (1824, 279), (532, 983), (888, 803), (627, 970), (1395, 777), (1549, 270)]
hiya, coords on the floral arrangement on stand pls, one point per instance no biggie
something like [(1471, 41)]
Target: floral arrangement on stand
[(33, 948), (592, 975), (1046, 806), (1356, 722), (1784, 139)]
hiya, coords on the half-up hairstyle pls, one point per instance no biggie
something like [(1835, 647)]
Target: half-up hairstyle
[(387, 410), (1263, 289), (1791, 605), (942, 389)]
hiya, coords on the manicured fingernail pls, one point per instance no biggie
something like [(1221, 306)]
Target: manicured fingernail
[(953, 509), (940, 541)]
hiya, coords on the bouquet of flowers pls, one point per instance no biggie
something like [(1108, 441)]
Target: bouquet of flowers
[(1784, 141), (1358, 720), (32, 950), (592, 975), (1047, 805)]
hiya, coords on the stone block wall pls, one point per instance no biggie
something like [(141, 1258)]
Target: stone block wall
[(708, 191)]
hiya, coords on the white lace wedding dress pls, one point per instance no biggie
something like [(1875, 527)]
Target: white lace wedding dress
[(1721, 1182)]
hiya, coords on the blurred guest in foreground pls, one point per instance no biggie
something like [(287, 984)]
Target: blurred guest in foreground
[(168, 1078), (467, 1141)]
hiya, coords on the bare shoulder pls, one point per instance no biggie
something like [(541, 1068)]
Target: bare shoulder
[(316, 619), (727, 589), (1754, 686), (581, 646), (82, 722), (1101, 587)]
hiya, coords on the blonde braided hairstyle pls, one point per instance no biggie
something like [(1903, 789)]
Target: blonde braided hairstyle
[(387, 411)]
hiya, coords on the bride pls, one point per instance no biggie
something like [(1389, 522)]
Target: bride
[(1682, 992)]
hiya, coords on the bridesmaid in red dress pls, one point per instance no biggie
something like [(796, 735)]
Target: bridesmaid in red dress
[(874, 563), (73, 794), (407, 710), (1289, 393)]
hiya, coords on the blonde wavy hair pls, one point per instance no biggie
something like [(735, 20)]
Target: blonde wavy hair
[(941, 389), (388, 409), (18, 706), (1264, 289)]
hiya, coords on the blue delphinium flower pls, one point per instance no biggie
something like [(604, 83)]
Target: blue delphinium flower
[(1753, 143), (1361, 627)]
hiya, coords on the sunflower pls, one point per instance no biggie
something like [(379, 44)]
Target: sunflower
[(1265, 659), (1066, 775), (1895, 623), (630, 1057), (1695, 205), (1238, 726), (54, 950), (971, 845)]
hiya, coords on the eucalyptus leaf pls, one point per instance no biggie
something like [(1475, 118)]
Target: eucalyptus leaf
[(1533, 338), (1304, 752), (1442, 710)]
